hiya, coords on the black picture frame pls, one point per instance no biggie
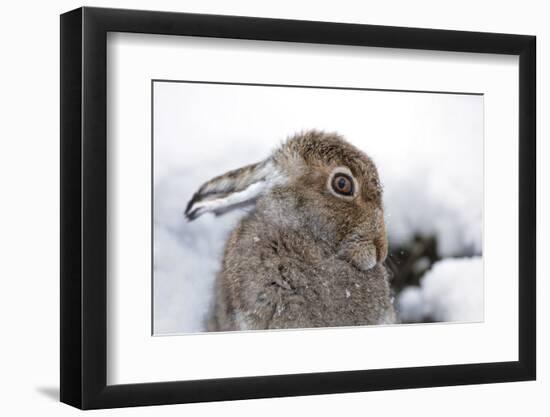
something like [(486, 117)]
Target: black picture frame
[(84, 207)]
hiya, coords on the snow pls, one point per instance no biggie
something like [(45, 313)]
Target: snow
[(410, 305), (428, 149), (452, 290), (186, 259)]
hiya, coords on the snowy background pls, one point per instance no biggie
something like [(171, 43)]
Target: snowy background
[(429, 152)]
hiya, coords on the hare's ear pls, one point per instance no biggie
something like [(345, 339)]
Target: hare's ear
[(237, 188)]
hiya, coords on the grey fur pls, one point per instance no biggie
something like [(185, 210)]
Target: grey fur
[(303, 257)]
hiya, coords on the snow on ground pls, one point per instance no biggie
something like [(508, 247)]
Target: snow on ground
[(428, 149), (452, 290)]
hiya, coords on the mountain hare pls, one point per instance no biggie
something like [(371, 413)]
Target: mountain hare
[(311, 252)]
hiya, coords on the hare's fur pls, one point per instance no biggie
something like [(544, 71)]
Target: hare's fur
[(304, 256)]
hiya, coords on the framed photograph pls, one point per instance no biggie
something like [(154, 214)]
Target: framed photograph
[(256, 207)]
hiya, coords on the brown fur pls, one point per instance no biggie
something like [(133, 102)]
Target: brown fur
[(304, 257)]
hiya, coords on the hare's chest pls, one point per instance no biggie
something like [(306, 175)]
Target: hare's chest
[(326, 286)]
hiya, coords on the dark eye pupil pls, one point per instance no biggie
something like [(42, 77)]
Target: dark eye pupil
[(342, 183)]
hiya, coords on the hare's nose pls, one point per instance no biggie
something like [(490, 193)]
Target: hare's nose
[(381, 245)]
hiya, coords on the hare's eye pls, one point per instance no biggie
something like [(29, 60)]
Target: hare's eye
[(342, 184)]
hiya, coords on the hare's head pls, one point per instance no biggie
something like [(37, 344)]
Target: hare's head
[(314, 182)]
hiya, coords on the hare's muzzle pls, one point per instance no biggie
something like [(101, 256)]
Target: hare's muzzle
[(361, 253)]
